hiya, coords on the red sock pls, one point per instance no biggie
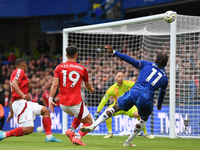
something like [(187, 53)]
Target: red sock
[(15, 132), (84, 133), (47, 125), (75, 123)]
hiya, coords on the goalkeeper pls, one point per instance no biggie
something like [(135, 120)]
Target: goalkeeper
[(117, 90)]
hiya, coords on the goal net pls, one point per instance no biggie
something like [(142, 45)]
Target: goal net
[(142, 38)]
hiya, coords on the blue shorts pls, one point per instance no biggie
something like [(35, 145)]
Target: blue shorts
[(135, 97)]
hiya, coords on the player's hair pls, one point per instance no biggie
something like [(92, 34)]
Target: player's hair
[(19, 61), (71, 51), (116, 72), (161, 59)]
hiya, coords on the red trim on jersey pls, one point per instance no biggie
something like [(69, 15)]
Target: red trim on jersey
[(22, 112), (18, 74), (81, 111), (139, 64)]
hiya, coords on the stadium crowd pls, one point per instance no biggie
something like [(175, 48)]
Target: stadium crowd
[(101, 69), (40, 73)]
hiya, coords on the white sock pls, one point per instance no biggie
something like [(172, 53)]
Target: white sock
[(49, 136), (103, 117), (77, 135), (4, 135), (136, 131), (72, 129)]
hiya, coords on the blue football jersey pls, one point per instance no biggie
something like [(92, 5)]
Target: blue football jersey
[(151, 76)]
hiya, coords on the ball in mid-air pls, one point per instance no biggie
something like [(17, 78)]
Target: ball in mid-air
[(170, 16)]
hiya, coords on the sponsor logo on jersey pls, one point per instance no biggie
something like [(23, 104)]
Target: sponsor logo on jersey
[(105, 96), (17, 76)]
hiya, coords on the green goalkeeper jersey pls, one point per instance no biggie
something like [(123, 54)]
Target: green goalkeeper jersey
[(115, 91)]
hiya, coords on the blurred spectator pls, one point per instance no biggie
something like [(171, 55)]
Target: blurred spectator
[(61, 60), (98, 11), (51, 65), (11, 57), (45, 94), (95, 98), (46, 63), (2, 94), (7, 100), (39, 65), (3, 77), (134, 79), (110, 81), (13, 48), (187, 90), (55, 64), (34, 95), (124, 48), (42, 57), (126, 75)]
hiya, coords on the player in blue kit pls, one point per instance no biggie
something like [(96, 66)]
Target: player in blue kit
[(152, 76)]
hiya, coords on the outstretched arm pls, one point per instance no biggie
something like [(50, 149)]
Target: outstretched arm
[(124, 57)]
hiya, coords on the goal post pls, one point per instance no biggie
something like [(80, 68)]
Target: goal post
[(142, 38), (172, 78), (64, 59)]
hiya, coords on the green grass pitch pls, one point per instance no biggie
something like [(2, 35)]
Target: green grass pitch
[(35, 141)]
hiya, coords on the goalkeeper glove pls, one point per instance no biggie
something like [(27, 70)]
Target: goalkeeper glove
[(96, 116)]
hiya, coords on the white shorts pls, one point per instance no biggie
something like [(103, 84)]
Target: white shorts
[(26, 112), (80, 110)]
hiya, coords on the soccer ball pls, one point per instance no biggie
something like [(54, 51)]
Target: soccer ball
[(170, 16), (39, 129)]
